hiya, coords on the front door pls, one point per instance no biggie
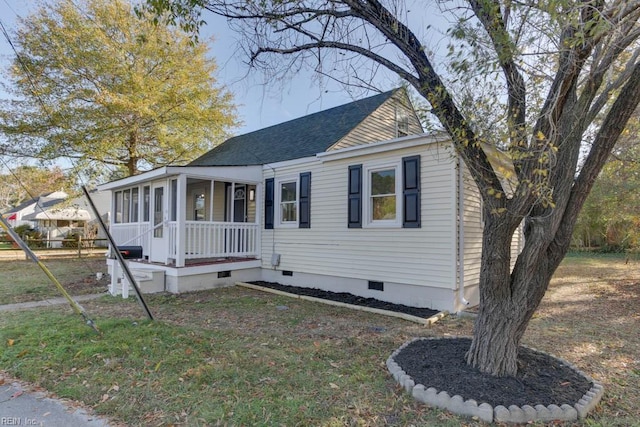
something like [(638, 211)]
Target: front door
[(159, 216), (237, 212), (240, 204)]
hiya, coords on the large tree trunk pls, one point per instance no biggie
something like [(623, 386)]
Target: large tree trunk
[(508, 298)]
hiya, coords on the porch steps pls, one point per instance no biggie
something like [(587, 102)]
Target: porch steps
[(149, 281)]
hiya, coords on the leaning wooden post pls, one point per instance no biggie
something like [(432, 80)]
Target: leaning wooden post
[(32, 256), (114, 249)]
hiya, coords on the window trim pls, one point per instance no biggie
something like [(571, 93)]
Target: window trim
[(367, 206), (278, 201), (146, 203), (126, 205)]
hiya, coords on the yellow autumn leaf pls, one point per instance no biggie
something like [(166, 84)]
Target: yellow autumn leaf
[(10, 342)]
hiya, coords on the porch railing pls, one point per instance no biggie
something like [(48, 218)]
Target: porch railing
[(204, 239), (135, 234)]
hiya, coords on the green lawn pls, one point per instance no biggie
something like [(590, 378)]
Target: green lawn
[(22, 280), (236, 356)]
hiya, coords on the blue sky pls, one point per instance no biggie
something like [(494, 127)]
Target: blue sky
[(258, 106)]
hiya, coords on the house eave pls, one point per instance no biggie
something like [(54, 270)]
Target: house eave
[(383, 146), (287, 163), (247, 174)]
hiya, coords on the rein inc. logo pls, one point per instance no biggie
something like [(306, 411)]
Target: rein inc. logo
[(18, 421)]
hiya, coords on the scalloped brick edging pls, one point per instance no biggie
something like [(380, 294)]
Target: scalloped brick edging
[(487, 413)]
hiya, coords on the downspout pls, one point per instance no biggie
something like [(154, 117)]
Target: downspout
[(461, 297)]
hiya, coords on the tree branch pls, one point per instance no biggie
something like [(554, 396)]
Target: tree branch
[(606, 138), (488, 12)]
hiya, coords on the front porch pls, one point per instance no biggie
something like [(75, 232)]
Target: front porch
[(192, 241), (189, 221)]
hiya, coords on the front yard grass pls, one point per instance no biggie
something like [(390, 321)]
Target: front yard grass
[(22, 280), (236, 356)]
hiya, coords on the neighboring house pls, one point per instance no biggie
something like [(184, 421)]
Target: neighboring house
[(56, 217), (19, 215), (352, 199)]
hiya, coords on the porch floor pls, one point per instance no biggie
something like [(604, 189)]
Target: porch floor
[(200, 261)]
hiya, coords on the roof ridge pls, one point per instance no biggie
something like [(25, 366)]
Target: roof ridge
[(327, 111), (296, 138)]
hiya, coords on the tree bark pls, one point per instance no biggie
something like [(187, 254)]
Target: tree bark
[(508, 298)]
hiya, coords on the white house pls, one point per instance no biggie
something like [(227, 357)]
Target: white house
[(352, 199), (56, 216), (19, 214)]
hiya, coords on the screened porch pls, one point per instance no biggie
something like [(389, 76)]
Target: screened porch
[(182, 215)]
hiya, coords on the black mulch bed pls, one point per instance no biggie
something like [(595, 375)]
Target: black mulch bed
[(349, 299), (541, 379)]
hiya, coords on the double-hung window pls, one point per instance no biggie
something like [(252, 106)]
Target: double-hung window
[(384, 195), (383, 204), (288, 201)]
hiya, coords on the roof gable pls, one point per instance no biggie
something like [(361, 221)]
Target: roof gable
[(44, 200), (298, 138)]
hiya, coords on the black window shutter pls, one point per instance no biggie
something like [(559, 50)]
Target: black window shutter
[(411, 192), (305, 200), (268, 204), (355, 197)]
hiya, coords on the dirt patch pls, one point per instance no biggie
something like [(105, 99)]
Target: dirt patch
[(88, 285)]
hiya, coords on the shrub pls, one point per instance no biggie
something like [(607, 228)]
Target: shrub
[(71, 239), (30, 235)]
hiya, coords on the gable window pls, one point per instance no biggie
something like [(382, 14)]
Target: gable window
[(402, 124), (288, 202), (383, 200)]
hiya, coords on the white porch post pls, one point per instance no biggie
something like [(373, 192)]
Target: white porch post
[(212, 193), (181, 217), (233, 199), (259, 215)]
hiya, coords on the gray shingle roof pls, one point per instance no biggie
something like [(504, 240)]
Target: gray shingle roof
[(302, 137), (43, 201)]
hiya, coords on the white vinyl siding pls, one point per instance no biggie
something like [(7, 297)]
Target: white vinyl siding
[(472, 217), (219, 201), (419, 256), (381, 124), (473, 233)]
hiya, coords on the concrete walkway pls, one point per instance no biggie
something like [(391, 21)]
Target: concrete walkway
[(47, 302), (21, 405)]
